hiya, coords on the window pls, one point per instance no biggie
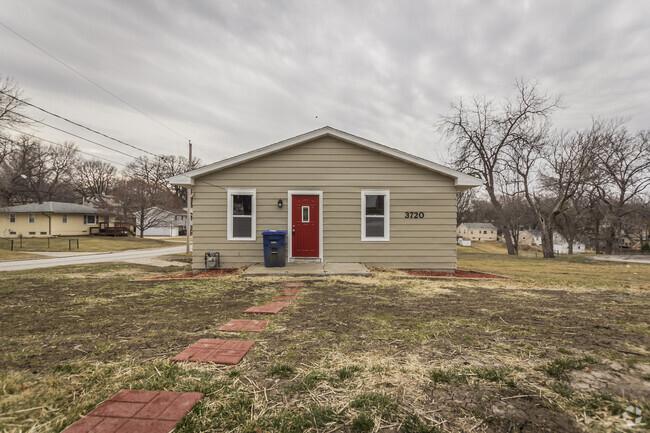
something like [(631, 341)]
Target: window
[(241, 214), (64, 218), (375, 215), (32, 217), (305, 214), (32, 233), (485, 232), (90, 219), (12, 217)]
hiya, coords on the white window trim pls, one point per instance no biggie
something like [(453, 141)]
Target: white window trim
[(386, 237), (12, 216), (93, 223), (31, 218), (252, 192)]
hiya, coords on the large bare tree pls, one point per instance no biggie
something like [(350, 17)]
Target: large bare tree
[(481, 132), (624, 174), (94, 178)]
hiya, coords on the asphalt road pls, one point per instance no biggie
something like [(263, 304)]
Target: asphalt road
[(630, 258), (80, 259)]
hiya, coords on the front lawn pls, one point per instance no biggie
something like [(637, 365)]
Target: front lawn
[(562, 347), (86, 244)]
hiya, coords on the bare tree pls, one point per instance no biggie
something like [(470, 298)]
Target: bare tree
[(94, 178), (160, 168), (33, 172), (482, 132), (146, 202), (552, 169), (10, 104), (624, 162)]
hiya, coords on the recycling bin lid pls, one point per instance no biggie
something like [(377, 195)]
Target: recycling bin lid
[(274, 232)]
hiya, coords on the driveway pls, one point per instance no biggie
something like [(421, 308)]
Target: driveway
[(629, 258), (84, 258)]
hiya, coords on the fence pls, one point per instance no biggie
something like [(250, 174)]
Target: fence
[(39, 244)]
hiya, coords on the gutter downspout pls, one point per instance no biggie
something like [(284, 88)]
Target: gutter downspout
[(49, 223)]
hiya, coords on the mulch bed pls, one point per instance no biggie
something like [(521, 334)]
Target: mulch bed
[(193, 276), (457, 274)]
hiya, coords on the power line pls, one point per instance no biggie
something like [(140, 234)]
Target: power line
[(77, 124), (91, 81), (75, 135), (59, 144)]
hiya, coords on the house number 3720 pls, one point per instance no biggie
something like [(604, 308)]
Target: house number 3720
[(413, 215)]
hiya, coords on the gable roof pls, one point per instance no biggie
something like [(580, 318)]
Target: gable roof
[(51, 207), (461, 180), (480, 226)]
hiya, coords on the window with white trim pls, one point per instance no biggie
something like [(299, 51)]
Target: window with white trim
[(90, 219), (241, 215), (375, 215), (12, 217), (32, 217), (64, 218)]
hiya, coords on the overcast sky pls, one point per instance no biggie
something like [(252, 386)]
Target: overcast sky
[(234, 76)]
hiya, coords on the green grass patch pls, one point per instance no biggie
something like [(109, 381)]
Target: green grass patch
[(362, 423), (380, 404), (347, 372), (282, 370), (559, 368)]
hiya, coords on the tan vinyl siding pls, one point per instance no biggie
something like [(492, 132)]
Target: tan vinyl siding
[(341, 170)]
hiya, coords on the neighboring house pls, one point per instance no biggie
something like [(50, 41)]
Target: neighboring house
[(482, 232), (561, 246), (49, 218), (341, 198), (161, 222), (530, 237)]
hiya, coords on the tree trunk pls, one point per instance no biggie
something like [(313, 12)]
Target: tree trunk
[(547, 241), (142, 224), (597, 236), (506, 227), (611, 236), (570, 241)]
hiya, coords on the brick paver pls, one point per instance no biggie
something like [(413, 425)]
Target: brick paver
[(268, 308), (285, 298), (244, 325), (294, 285), (228, 352), (289, 291), (137, 411)]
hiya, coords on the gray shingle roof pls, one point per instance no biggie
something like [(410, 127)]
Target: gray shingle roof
[(480, 226), (51, 207)]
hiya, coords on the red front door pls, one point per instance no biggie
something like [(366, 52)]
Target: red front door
[(305, 226)]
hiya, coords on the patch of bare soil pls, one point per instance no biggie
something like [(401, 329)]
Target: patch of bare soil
[(218, 273), (456, 274)]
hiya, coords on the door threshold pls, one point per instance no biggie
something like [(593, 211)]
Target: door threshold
[(305, 260)]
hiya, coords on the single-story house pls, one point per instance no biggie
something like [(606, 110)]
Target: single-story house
[(341, 198), (161, 222), (560, 244), (49, 218), (530, 237), (482, 232)]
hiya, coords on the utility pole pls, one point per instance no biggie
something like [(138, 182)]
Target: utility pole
[(188, 221)]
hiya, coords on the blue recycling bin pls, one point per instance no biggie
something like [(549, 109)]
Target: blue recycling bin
[(275, 248)]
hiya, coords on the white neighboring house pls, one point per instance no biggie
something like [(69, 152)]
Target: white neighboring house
[(560, 244), (160, 222)]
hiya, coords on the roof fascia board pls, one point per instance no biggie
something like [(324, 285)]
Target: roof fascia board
[(460, 179)]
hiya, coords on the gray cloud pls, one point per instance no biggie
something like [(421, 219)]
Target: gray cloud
[(238, 75)]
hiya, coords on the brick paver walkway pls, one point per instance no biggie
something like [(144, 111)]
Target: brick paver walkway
[(294, 285), (289, 291), (134, 411), (244, 325), (268, 308), (285, 298), (228, 352)]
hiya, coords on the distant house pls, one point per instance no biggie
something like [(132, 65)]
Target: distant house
[(530, 237), (561, 246), (481, 232), (161, 222), (49, 218)]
